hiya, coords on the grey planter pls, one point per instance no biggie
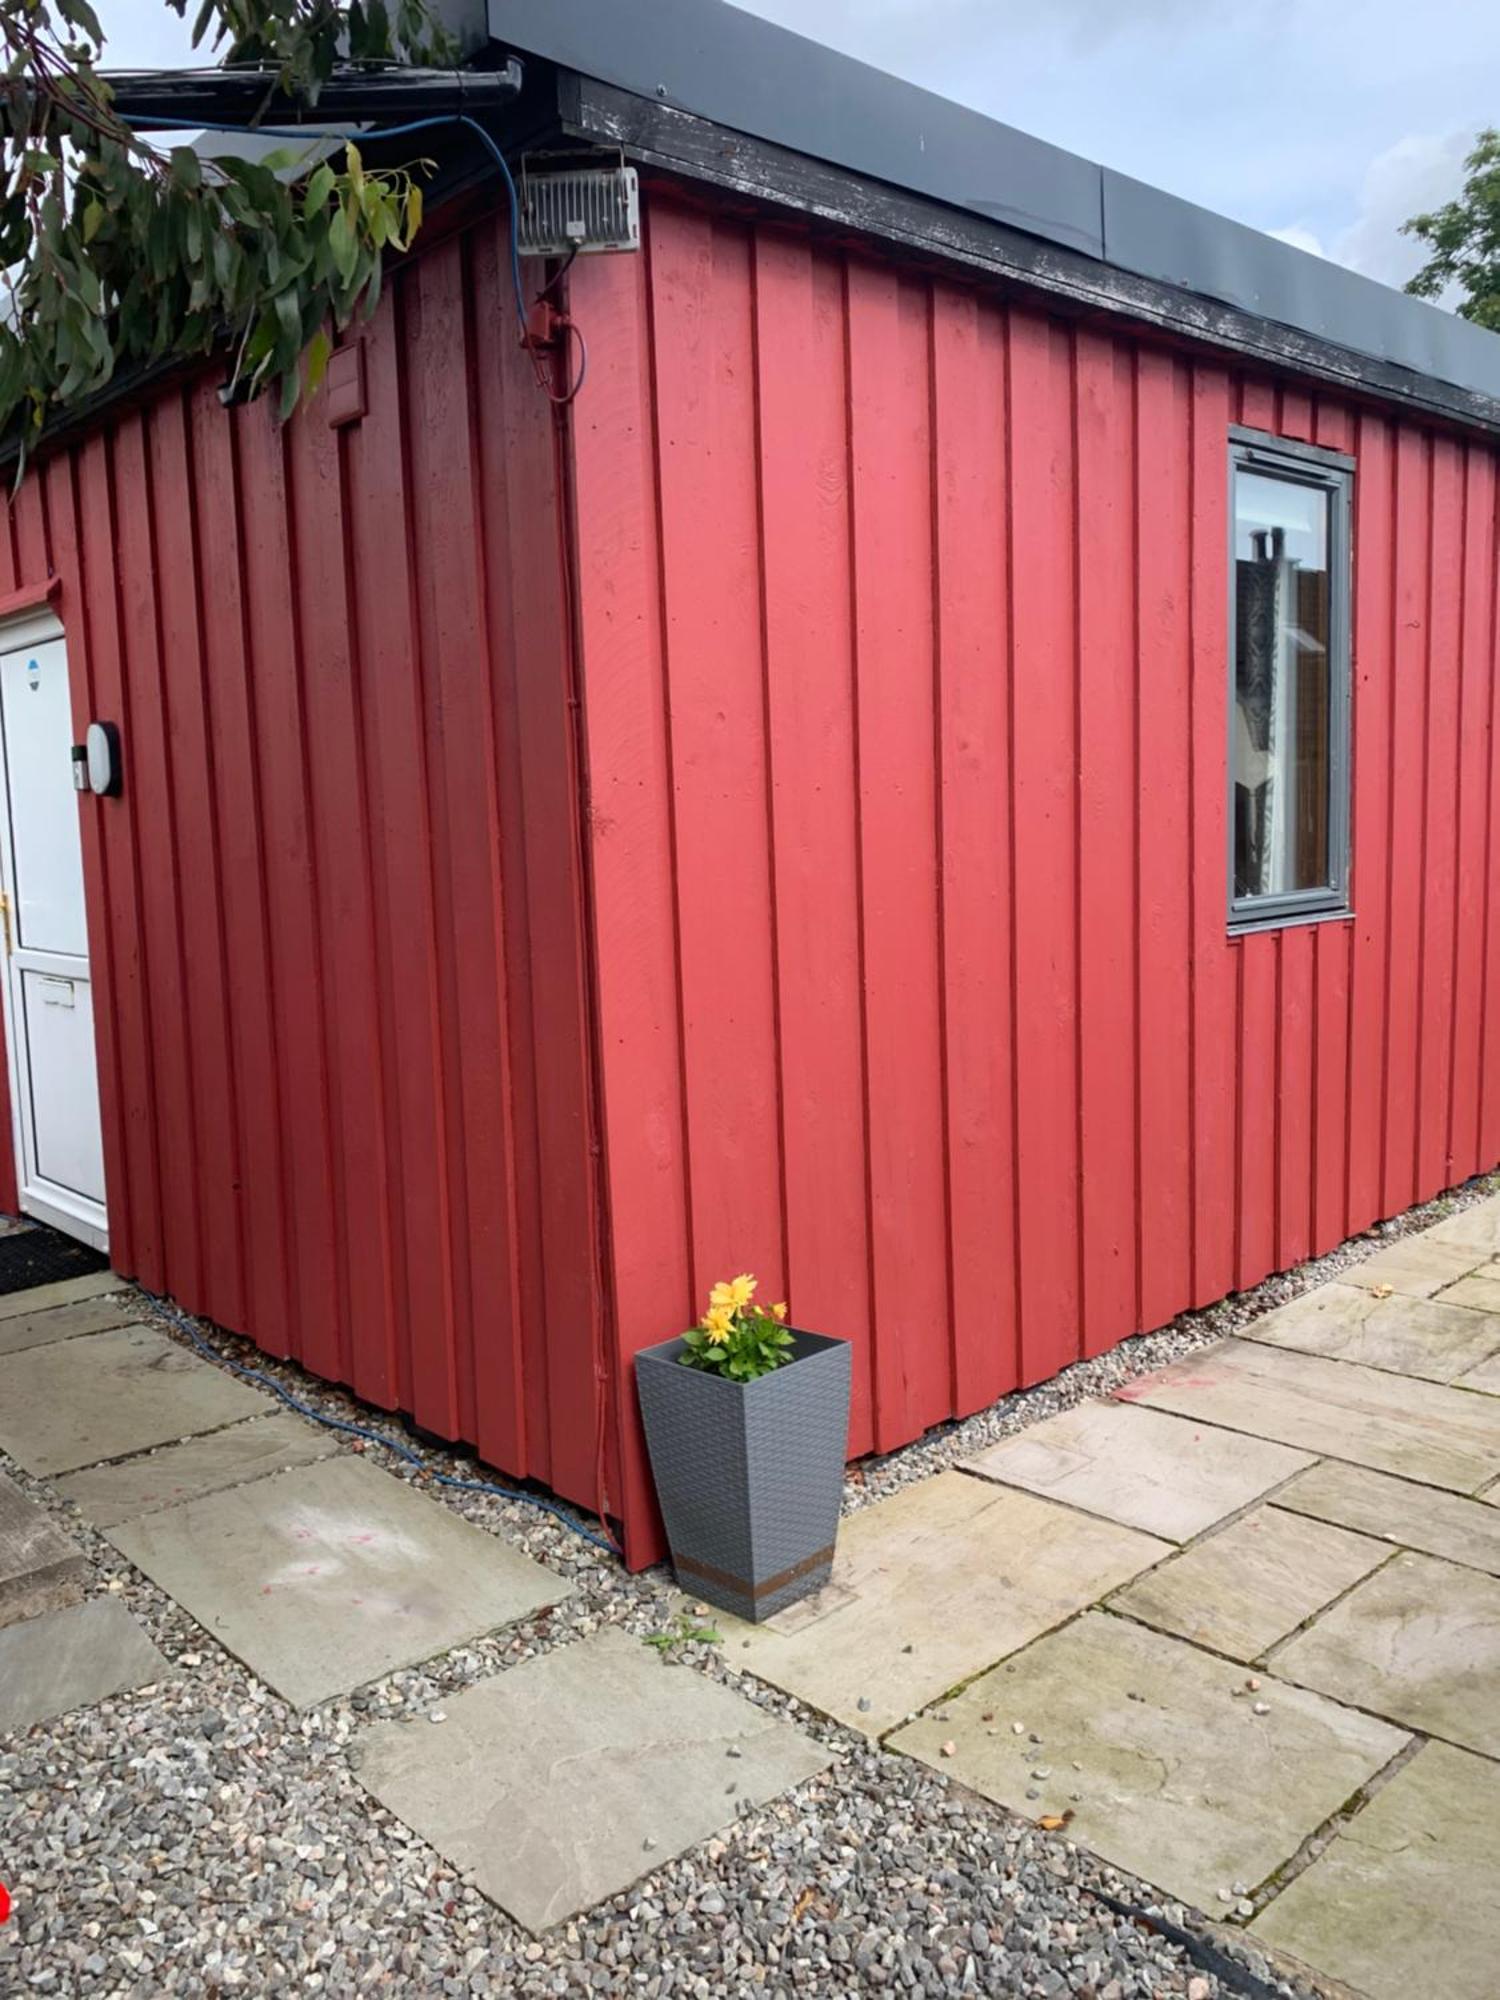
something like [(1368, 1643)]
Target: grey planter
[(749, 1474)]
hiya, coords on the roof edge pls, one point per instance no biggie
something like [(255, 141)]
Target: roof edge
[(695, 148), (749, 77)]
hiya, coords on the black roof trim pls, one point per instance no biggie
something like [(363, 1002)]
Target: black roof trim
[(681, 144), (731, 71)]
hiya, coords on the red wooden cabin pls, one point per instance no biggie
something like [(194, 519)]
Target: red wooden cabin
[(959, 774)]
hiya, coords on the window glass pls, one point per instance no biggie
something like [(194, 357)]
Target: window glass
[(1282, 743)]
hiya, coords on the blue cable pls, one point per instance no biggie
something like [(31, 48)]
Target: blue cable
[(185, 1325), (373, 132)]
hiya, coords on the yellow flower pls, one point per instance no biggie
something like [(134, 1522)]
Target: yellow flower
[(716, 1324), (733, 1293), (780, 1310)]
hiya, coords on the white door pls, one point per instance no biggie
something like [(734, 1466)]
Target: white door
[(49, 1016)]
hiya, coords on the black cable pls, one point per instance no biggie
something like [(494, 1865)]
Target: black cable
[(1239, 1978)]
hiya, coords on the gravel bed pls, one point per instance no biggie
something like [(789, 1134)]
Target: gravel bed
[(200, 1837), (873, 1477)]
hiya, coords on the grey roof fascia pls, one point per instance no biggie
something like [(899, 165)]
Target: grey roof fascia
[(1160, 236), (716, 63), (756, 77), (689, 147)]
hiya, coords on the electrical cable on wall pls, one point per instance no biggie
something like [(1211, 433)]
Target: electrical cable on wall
[(567, 326)]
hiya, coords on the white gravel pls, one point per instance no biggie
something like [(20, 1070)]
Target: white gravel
[(200, 1837)]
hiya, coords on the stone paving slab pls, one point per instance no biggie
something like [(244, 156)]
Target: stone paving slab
[(40, 1569), (1405, 1336), (1418, 1642), (72, 1658), (40, 1329), (1415, 1266), (109, 1494), (63, 1292), (1173, 1779), (1416, 1517), (1485, 1378), (109, 1394), (1252, 1583), (331, 1575), (1402, 1903), (1417, 1430), (928, 1587), (1165, 1475), (563, 1781), (1479, 1226), (1481, 1291)]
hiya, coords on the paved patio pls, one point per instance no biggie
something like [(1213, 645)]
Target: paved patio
[(1235, 1630), (556, 1786), (1289, 1713)]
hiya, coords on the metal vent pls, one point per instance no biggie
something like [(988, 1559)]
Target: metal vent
[(578, 209)]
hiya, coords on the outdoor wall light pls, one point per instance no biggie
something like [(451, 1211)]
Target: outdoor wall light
[(101, 749)]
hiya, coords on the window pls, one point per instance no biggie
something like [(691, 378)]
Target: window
[(1289, 695)]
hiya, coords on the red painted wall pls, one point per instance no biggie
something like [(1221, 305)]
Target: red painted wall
[(335, 917), (904, 630), (868, 916)]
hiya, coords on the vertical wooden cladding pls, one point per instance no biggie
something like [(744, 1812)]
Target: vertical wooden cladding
[(336, 914), (885, 920), (905, 651)]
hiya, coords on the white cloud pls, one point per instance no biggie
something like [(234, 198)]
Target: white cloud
[(1420, 171)]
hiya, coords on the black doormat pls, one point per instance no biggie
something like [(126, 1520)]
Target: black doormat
[(40, 1256)]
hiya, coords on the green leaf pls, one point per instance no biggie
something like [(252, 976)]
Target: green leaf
[(225, 260), (320, 185), (344, 245), (262, 341), (318, 350), (122, 255), (81, 15), (289, 328), (372, 290)]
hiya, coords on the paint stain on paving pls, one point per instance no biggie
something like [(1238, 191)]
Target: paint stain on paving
[(1132, 1392), (349, 1544)]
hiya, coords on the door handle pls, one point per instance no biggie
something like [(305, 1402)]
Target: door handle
[(5, 918)]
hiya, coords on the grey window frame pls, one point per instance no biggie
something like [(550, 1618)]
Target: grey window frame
[(1333, 473)]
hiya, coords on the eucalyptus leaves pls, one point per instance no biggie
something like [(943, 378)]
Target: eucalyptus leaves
[(122, 253)]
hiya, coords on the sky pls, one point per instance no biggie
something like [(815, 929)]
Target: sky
[(1326, 122)]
